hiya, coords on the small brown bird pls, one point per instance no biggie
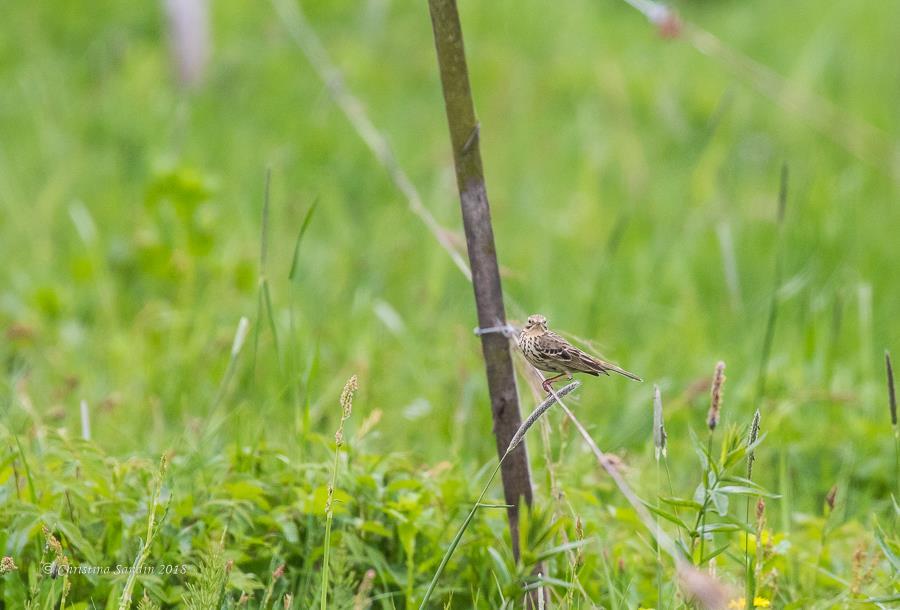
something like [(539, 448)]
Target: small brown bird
[(547, 351)]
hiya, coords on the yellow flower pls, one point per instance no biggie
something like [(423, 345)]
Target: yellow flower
[(740, 603)]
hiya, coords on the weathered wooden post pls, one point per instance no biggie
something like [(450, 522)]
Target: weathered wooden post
[(464, 137)]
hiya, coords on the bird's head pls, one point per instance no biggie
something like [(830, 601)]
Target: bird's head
[(536, 323)]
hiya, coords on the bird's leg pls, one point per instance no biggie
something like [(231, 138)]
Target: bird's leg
[(547, 382)]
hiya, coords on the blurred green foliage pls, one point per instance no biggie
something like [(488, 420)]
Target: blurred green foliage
[(633, 183)]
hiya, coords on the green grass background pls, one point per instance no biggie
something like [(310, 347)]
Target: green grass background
[(130, 215)]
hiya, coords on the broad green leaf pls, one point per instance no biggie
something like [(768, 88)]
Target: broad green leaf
[(720, 501), (719, 527), (672, 501), (746, 491), (667, 516)]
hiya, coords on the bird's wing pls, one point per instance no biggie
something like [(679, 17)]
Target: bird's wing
[(553, 345), (578, 360), (564, 353)]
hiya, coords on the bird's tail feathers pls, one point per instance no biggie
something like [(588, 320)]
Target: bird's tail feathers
[(621, 371)]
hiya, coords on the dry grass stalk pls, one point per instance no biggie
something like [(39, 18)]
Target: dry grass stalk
[(830, 497), (536, 414), (60, 564), (760, 527), (276, 575), (715, 403), (561, 506), (369, 424), (297, 26), (517, 438), (701, 587), (347, 393), (864, 564)]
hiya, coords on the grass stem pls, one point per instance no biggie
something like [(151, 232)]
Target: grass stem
[(346, 409), (514, 442), (152, 529), (892, 405)]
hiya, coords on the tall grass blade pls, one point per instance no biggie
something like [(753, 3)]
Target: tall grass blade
[(892, 394), (264, 300), (771, 321), (240, 336), (295, 258), (458, 536), (28, 478), (293, 274), (267, 300), (892, 405)]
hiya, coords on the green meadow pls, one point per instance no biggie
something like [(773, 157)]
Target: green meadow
[(668, 202)]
